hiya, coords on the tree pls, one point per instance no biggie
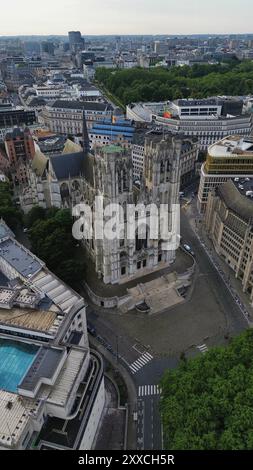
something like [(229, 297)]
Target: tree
[(207, 402), (52, 241), (8, 211), (36, 213)]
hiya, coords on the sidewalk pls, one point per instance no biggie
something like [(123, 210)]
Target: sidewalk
[(132, 395), (234, 285)]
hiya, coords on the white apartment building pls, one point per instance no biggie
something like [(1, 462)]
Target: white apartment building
[(51, 91)]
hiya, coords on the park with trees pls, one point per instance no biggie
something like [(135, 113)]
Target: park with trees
[(232, 77)]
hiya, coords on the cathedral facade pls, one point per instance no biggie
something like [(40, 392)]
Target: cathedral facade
[(79, 177)]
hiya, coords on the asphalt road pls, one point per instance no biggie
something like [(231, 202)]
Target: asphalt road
[(149, 431), (235, 320)]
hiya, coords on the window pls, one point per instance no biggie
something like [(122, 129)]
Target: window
[(123, 270)]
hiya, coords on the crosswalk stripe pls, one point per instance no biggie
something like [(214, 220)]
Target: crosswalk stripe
[(148, 355), (202, 348), (140, 362), (148, 390)]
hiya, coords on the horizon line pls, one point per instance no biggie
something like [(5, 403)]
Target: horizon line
[(130, 34)]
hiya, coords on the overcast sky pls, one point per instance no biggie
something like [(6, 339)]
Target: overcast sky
[(125, 16)]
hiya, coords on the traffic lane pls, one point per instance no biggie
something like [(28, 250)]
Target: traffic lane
[(157, 426), (153, 372), (152, 424), (148, 424), (140, 425), (121, 344)]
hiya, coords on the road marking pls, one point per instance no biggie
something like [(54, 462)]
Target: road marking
[(140, 362), (148, 390), (202, 348)]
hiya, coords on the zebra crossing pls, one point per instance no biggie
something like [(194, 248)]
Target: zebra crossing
[(202, 348), (147, 390), (140, 362)]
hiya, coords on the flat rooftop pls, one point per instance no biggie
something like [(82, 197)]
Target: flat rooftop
[(32, 319), (232, 146), (236, 201), (201, 102), (112, 149), (14, 415), (19, 258)]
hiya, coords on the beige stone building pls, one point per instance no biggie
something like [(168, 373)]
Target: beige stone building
[(231, 157), (229, 224)]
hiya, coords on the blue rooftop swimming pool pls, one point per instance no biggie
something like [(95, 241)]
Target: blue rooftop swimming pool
[(15, 359)]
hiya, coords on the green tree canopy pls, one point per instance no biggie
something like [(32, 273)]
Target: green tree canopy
[(207, 402), (8, 211), (199, 81), (52, 241)]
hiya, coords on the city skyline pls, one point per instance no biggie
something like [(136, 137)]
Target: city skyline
[(140, 17)]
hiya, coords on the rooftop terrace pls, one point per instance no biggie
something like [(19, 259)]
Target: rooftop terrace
[(232, 146), (38, 320)]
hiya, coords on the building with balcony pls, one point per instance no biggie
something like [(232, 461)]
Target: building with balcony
[(66, 117), (231, 157)]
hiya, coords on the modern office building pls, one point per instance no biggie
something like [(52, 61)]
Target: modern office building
[(208, 119), (76, 42), (51, 383), (231, 157), (229, 224), (15, 116)]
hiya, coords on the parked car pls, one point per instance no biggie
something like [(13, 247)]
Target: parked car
[(91, 329), (188, 249)]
